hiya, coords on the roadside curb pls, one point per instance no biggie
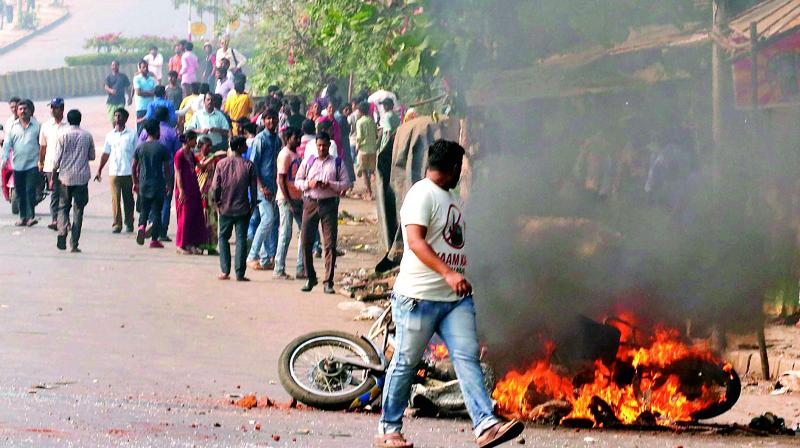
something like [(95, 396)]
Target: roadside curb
[(36, 32)]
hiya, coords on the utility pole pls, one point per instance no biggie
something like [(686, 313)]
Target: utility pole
[(719, 77)]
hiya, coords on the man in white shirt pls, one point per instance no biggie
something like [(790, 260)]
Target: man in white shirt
[(119, 148), (48, 137), (224, 83), (311, 146), (155, 63), (236, 59), (431, 295)]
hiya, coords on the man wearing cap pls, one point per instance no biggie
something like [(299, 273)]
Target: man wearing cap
[(48, 137)]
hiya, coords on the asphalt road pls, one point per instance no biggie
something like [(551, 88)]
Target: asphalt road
[(127, 346), (90, 18)]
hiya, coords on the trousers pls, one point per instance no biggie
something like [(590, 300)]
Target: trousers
[(316, 211), (74, 197)]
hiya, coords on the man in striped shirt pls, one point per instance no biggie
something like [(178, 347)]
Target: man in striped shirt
[(74, 150)]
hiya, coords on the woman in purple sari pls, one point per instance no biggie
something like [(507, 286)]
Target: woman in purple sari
[(188, 204)]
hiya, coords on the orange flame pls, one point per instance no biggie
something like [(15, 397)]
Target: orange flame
[(437, 352), (518, 393)]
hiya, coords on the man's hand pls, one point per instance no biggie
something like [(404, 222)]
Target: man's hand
[(458, 283), (98, 177), (136, 188)]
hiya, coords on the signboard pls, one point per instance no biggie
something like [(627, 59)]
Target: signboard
[(198, 29)]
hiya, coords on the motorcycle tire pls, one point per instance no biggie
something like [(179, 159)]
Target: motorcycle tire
[(306, 392)]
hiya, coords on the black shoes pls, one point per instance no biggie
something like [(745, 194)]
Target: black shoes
[(61, 243), (329, 288), (116, 230), (310, 284)]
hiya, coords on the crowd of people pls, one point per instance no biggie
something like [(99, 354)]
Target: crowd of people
[(230, 162)]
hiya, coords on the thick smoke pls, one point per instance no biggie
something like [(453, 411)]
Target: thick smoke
[(568, 217)]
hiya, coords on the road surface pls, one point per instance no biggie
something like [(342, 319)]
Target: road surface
[(126, 346), (90, 18)]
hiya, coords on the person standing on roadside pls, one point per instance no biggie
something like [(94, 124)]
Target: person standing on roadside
[(23, 138), (322, 179), (290, 203), (119, 147), (174, 92), (48, 137), (189, 212), (152, 179), (212, 123), (206, 164), (236, 59), (115, 86), (239, 105), (224, 83), (234, 191), (432, 295), (189, 67), (155, 63), (144, 88), (210, 63), (174, 64), (264, 155), (74, 150), (367, 146)]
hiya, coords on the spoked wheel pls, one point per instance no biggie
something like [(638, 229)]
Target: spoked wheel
[(310, 373)]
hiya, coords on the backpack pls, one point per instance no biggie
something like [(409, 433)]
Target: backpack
[(312, 158)]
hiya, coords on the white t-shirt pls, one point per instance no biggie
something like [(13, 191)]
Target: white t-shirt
[(48, 136), (155, 65), (439, 210)]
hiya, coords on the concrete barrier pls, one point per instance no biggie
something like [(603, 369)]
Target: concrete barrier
[(65, 82)]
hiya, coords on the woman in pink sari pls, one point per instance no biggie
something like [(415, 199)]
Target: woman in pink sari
[(188, 204)]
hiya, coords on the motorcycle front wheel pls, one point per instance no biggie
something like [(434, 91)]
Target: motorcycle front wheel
[(309, 372)]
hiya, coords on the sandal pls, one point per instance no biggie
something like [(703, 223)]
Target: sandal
[(223, 277), (393, 440), (500, 433)]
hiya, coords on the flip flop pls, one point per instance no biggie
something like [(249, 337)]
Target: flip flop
[(393, 440), (500, 433)]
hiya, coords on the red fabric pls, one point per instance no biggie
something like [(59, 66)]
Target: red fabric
[(191, 220)]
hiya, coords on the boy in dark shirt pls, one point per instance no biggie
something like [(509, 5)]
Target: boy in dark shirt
[(151, 176)]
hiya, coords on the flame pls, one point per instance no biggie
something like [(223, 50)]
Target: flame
[(653, 389), (437, 352)]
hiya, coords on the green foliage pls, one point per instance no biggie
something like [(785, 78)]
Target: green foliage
[(102, 59)]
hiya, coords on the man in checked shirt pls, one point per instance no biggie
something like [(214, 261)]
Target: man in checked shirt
[(74, 150), (322, 179)]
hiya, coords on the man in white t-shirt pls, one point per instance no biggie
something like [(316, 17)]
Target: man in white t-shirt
[(431, 295), (48, 137), (155, 63), (118, 151)]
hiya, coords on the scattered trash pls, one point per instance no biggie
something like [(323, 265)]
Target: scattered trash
[(210, 316), (589, 439), (366, 286), (521, 440), (351, 306), (370, 313), (258, 427), (304, 432), (276, 437), (217, 425)]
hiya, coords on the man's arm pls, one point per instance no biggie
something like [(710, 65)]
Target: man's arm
[(343, 184), (6, 150), (42, 149), (103, 160), (91, 148), (416, 242), (135, 174), (253, 191), (300, 178)]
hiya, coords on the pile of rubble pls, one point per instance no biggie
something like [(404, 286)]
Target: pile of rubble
[(367, 286)]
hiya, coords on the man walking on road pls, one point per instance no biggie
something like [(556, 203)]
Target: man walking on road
[(48, 137), (189, 68), (23, 137), (234, 191), (322, 179), (264, 154), (115, 86), (119, 147), (431, 296), (290, 202), (75, 149), (152, 179), (168, 137)]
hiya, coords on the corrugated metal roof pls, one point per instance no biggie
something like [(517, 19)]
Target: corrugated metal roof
[(773, 18)]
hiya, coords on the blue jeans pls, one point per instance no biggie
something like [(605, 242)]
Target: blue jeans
[(285, 237), (165, 211), (272, 241), (260, 250), (454, 322)]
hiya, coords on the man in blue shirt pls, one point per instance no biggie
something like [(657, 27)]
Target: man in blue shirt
[(169, 138), (161, 101), (143, 90), (264, 154), (23, 138)]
